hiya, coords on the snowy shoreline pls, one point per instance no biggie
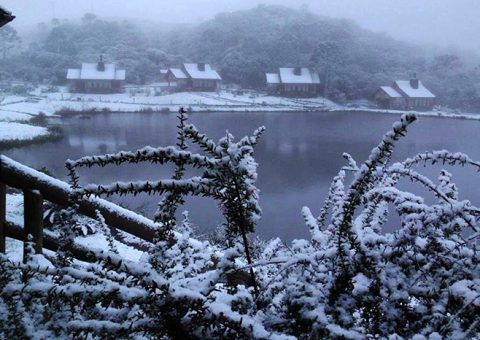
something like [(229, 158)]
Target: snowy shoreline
[(14, 134), (21, 108), (15, 110), (435, 114)]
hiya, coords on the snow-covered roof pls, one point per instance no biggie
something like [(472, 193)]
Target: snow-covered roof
[(164, 70), (89, 71), (390, 91), (406, 87), (194, 71), (120, 75), (305, 76), (273, 78), (178, 73), (73, 73)]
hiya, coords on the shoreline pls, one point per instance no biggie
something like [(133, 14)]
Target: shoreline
[(434, 114), (62, 103), (34, 110), (53, 134)]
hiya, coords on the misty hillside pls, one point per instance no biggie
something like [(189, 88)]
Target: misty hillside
[(243, 45), (268, 37), (352, 60)]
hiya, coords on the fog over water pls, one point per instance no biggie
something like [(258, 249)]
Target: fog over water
[(452, 24)]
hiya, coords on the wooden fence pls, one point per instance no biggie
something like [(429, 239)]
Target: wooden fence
[(37, 187)]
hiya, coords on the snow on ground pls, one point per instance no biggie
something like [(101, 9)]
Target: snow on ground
[(129, 102), (98, 241), (434, 113), (17, 131), (137, 99), (12, 116), (14, 248), (11, 99)]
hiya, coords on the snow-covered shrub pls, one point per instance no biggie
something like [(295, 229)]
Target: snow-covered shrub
[(52, 219), (350, 280), (229, 175)]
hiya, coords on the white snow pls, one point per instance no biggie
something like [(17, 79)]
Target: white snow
[(198, 101), (250, 101), (272, 78), (12, 116), (391, 91), (194, 71), (99, 241), (361, 284), (306, 76), (73, 73), (420, 92), (178, 73), (90, 71), (14, 248), (17, 131)]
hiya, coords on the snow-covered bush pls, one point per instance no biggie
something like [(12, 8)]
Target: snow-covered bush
[(52, 220), (351, 279)]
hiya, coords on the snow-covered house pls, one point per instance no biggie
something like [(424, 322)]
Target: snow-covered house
[(294, 81), (96, 78), (387, 97), (194, 76), (177, 79), (405, 95), (163, 74)]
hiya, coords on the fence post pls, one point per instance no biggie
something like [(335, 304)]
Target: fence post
[(33, 218), (3, 215)]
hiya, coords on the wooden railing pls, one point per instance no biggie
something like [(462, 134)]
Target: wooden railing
[(37, 187)]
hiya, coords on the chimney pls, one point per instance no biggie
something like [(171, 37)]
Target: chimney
[(297, 71), (101, 64), (201, 67), (414, 81)]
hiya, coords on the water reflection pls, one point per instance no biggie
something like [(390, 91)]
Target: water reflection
[(298, 155)]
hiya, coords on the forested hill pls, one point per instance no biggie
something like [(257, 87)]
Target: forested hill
[(243, 45), (246, 43), (354, 61)]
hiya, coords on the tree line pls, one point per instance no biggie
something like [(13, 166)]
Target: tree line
[(243, 45)]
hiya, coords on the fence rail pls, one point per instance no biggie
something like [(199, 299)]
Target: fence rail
[(37, 187)]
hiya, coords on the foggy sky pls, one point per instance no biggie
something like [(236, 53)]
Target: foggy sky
[(446, 23)]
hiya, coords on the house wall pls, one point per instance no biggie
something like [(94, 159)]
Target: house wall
[(301, 90), (96, 86), (204, 84), (420, 103), (384, 101), (273, 88), (175, 82)]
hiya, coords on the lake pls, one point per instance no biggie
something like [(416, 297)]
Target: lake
[(298, 156)]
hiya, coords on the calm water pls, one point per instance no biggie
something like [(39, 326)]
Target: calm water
[(298, 155)]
